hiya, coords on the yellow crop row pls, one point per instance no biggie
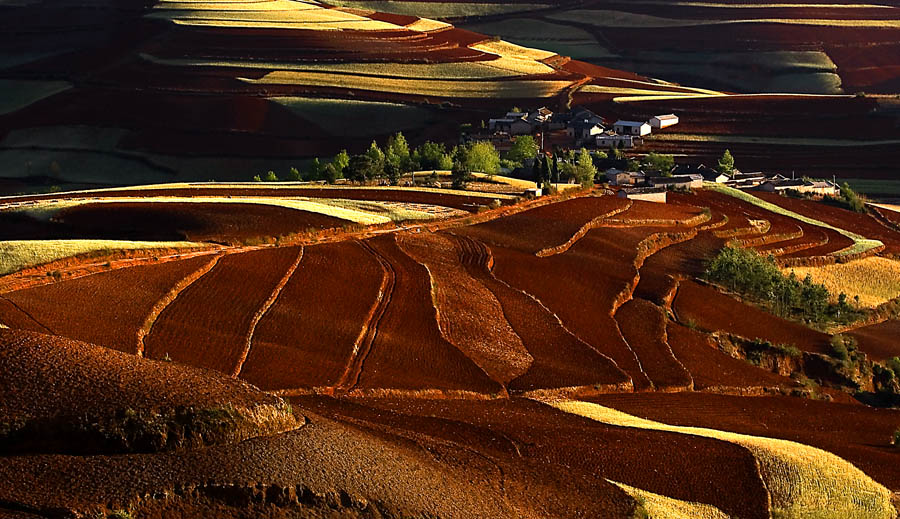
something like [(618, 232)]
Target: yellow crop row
[(283, 14), (802, 481), (657, 505), (18, 254), (422, 87)]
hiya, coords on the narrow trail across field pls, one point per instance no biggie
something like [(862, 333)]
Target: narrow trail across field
[(262, 312), (367, 334), (168, 299)]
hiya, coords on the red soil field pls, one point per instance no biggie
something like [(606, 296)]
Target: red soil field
[(409, 351), (712, 369), (643, 325), (641, 210), (812, 238), (879, 341), (857, 433), (12, 316), (216, 222), (546, 226), (561, 359), (836, 242), (659, 272), (207, 325), (712, 310), (841, 218), (584, 451), (892, 216), (106, 308), (307, 337)]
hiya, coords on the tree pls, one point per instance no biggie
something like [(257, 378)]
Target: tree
[(257, 178), (483, 157), (315, 169), (460, 172), (660, 163), (377, 156), (271, 177), (396, 153), (726, 163), (294, 175), (341, 161), (585, 171), (433, 156), (853, 200), (361, 168), (523, 148), (329, 173), (392, 171), (545, 170)]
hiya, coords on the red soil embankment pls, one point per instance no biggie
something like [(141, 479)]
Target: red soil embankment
[(879, 341), (643, 325)]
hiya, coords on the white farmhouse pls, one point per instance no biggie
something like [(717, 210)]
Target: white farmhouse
[(631, 128), (663, 121)]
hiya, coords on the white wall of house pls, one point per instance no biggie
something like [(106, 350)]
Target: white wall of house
[(663, 121)]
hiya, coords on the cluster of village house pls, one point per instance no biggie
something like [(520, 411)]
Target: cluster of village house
[(584, 128)]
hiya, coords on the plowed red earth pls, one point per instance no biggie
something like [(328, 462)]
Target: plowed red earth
[(106, 308), (546, 226), (859, 434), (12, 316), (712, 310), (409, 351), (841, 218), (879, 341), (190, 221), (659, 272), (643, 325), (560, 358), (579, 451), (207, 325), (307, 338), (711, 369), (641, 210), (893, 216)]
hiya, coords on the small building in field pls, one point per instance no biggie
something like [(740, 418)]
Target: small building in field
[(632, 128), (647, 194), (510, 125), (612, 140), (708, 174), (812, 187), (677, 182), (584, 131), (663, 121), (617, 177)]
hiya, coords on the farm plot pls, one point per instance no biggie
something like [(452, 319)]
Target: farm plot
[(589, 452), (12, 316), (712, 370), (840, 218), (469, 316), (879, 341), (560, 359), (309, 335), (208, 325), (107, 308), (280, 15), (654, 214), (513, 88), (409, 351), (548, 226), (643, 326), (874, 280), (856, 433), (439, 9), (712, 310), (660, 272), (338, 116), (799, 478)]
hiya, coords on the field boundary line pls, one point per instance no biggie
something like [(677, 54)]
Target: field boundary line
[(581, 233), (261, 312), (157, 309), (364, 342), (27, 313)]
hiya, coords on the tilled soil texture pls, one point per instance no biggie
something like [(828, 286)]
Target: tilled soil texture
[(572, 451), (216, 222), (879, 341), (209, 322), (317, 324), (857, 433), (409, 351), (712, 310), (107, 308), (643, 325)]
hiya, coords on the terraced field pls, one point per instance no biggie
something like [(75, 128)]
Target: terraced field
[(440, 344)]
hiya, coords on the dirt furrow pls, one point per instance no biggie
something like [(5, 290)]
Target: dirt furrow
[(262, 312), (167, 299), (363, 344)]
